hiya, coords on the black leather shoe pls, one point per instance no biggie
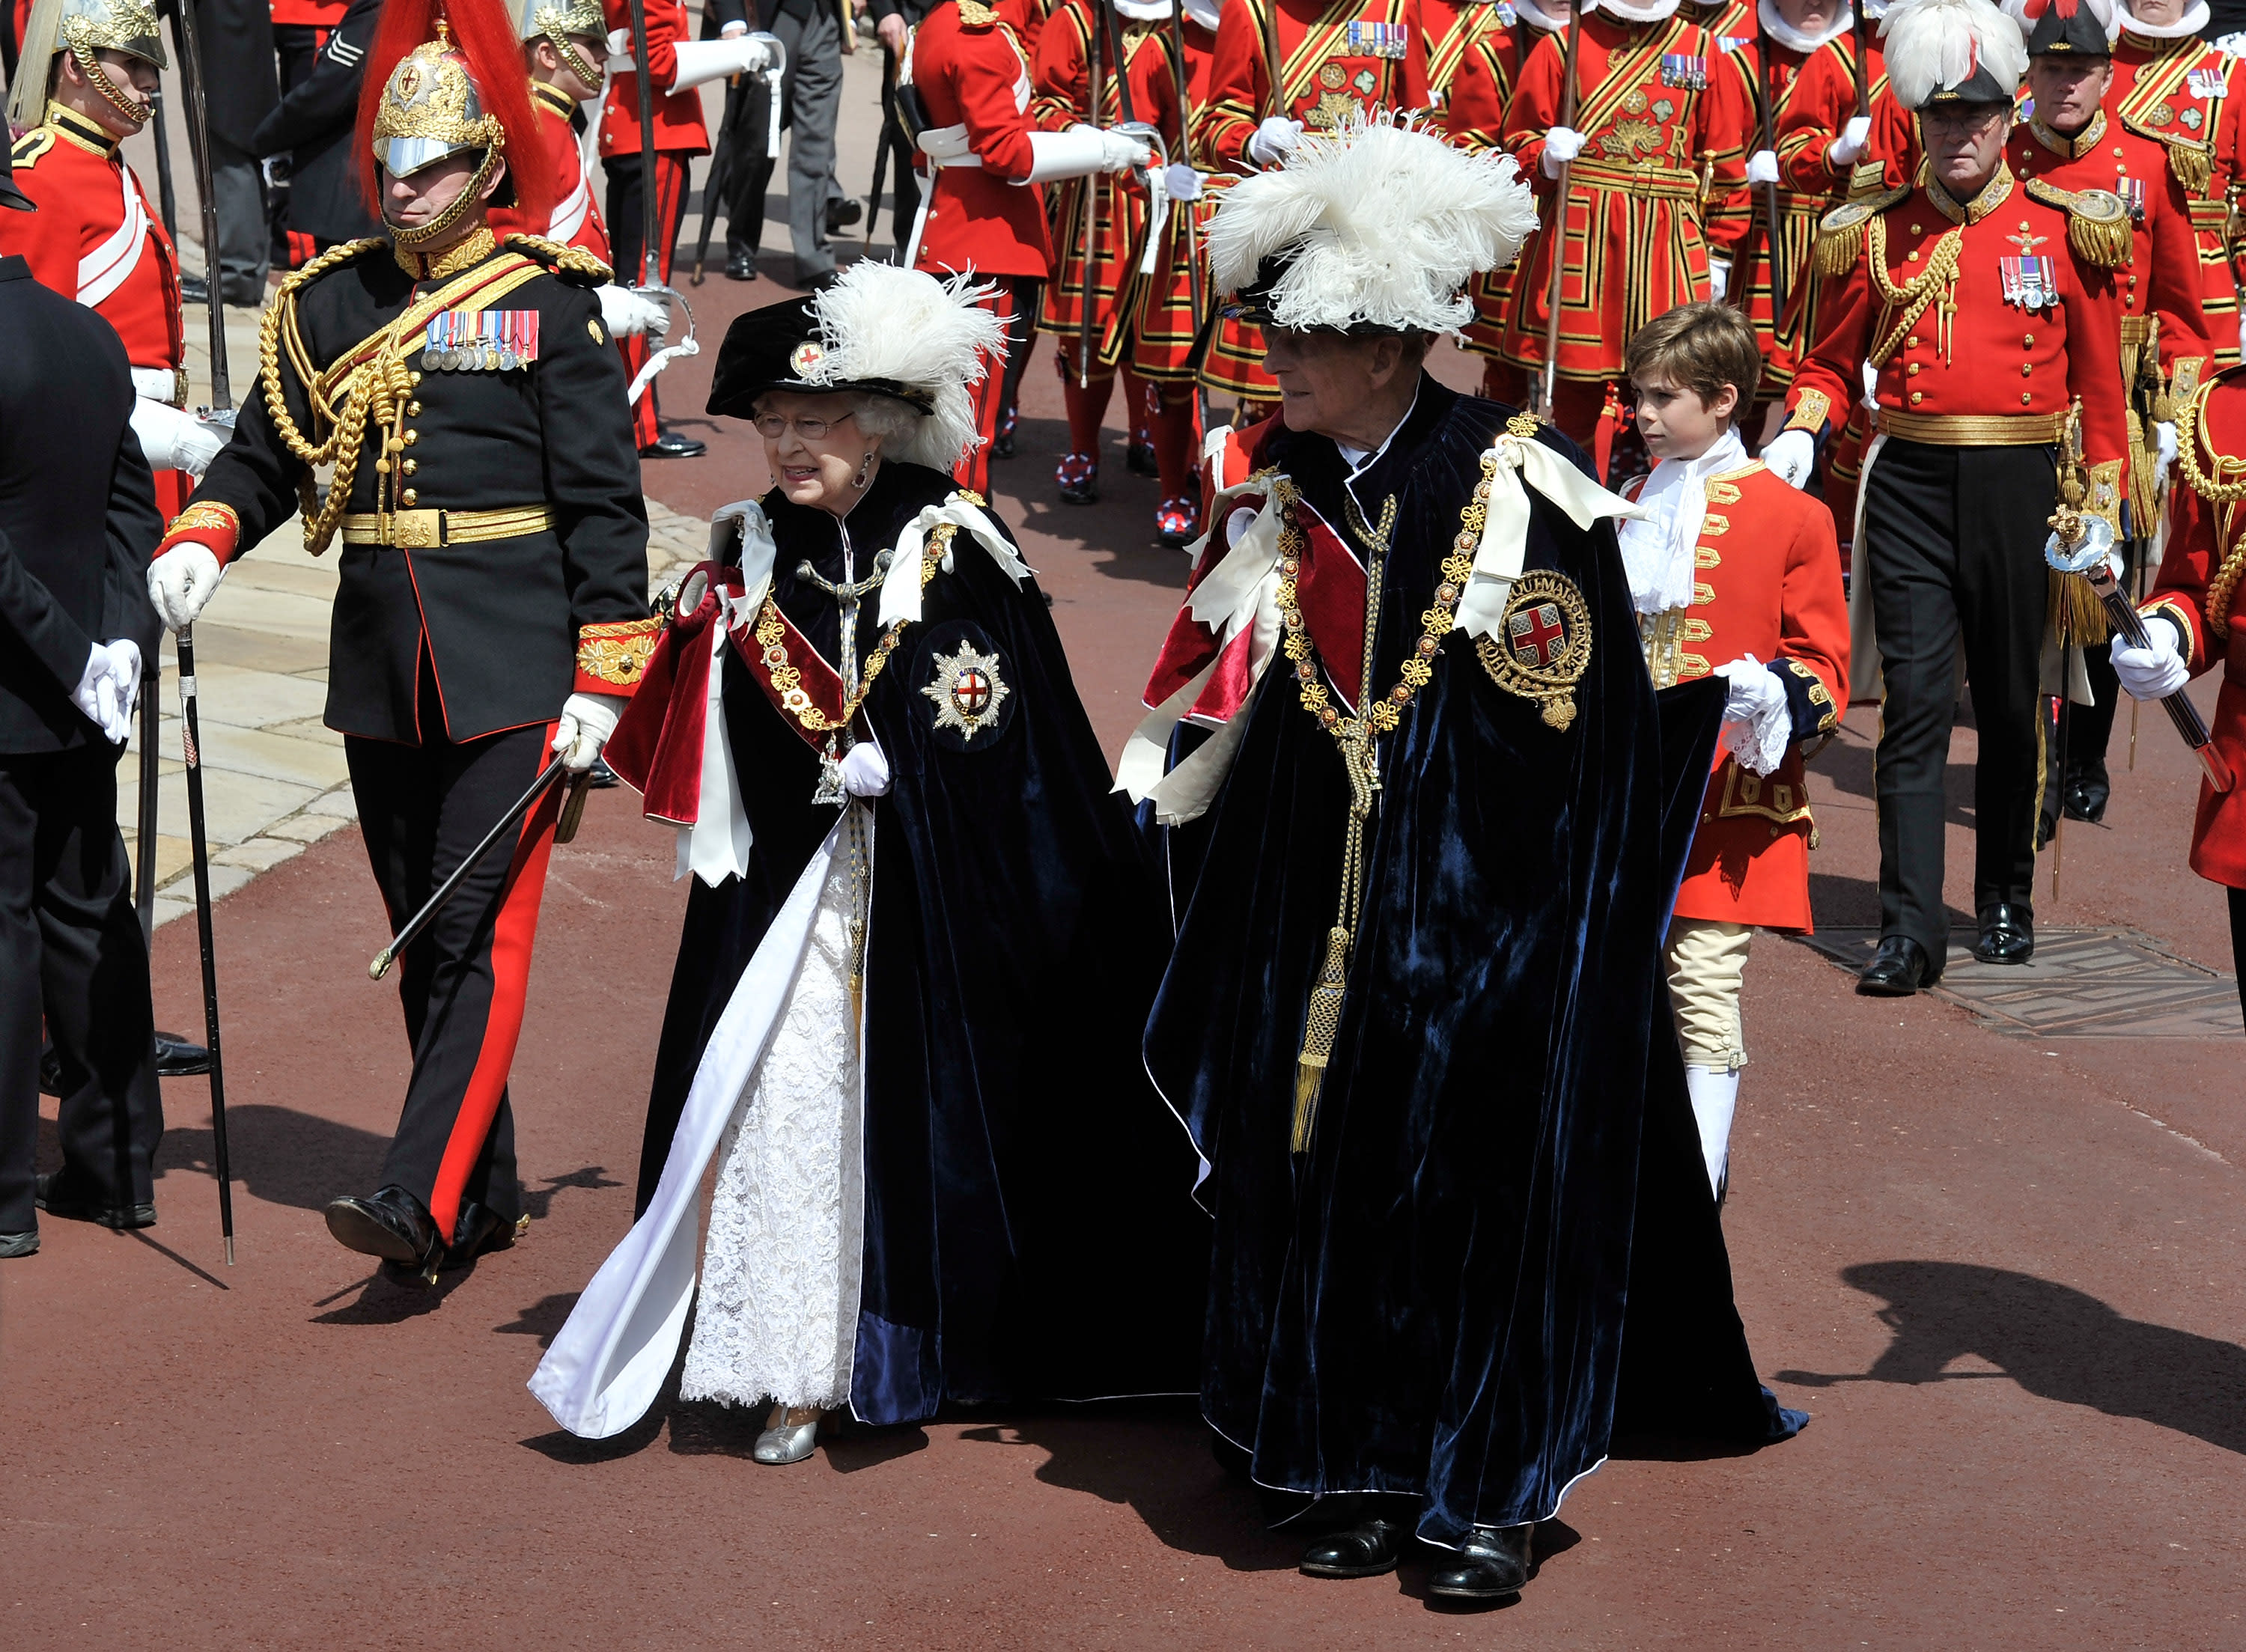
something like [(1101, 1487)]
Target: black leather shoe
[(14, 1245), (740, 267), (121, 1217), (1898, 970), (178, 1058), (480, 1229), (1138, 459), (842, 213), (242, 294), (2086, 796), (1492, 1565), (1366, 1550), (671, 445), (2007, 935), (1002, 445), (600, 777), (394, 1225), (194, 290), (51, 1071)]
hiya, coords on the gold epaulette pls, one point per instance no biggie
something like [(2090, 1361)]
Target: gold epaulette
[(563, 258), (27, 149), (2096, 223), (2192, 160), (973, 14), (1840, 232)]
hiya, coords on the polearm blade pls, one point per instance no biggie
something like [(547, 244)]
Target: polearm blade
[(508, 822)]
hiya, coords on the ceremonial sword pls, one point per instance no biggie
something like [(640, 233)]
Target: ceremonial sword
[(506, 823)]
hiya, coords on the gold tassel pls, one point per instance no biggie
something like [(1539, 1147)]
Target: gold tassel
[(1319, 1025), (1838, 251), (2107, 243), (2144, 471), (2076, 615), (2193, 167)]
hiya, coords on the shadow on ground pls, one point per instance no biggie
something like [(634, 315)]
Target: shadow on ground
[(2057, 1342)]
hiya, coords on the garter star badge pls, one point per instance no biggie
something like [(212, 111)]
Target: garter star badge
[(1541, 645), (967, 690)]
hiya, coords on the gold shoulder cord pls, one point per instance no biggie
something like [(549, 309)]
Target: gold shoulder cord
[(279, 332), (1935, 285), (575, 260), (2190, 428)]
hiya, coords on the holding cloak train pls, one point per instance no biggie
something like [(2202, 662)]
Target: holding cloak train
[(919, 948), (1414, 1018)]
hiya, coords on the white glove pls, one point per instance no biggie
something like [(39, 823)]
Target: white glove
[(1846, 149), (865, 771), (2152, 673), (106, 687), (586, 721), (1181, 182), (181, 581), (1274, 141), (1562, 145), (1118, 151), (2165, 433), (1757, 723), (1719, 280), (625, 311), (1791, 455), (1762, 167), (173, 440)]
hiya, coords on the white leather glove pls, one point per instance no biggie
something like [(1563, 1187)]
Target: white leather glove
[(586, 721), (2165, 433), (1719, 280), (625, 311), (181, 581), (1181, 182), (106, 687), (1762, 167), (1791, 455), (1562, 145), (125, 670), (2152, 673), (1118, 151), (1757, 723), (865, 771), (1275, 140), (1075, 154), (1848, 148), (173, 440), (734, 30)]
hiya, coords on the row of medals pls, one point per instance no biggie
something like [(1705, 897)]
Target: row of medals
[(471, 358)]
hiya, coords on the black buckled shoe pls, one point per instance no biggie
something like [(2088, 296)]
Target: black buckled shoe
[(394, 1225), (1898, 970), (842, 213), (1364, 1550), (480, 1229), (1492, 1565), (740, 266), (670, 445), (2087, 793), (121, 1217), (2007, 934)]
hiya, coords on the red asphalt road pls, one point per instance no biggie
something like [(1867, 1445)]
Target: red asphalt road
[(2003, 1274)]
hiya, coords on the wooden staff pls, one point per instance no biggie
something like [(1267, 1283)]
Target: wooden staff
[(1774, 235), (1099, 109), (1559, 228), (1185, 209)]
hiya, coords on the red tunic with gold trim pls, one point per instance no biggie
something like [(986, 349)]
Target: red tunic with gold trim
[(576, 220), (1988, 354), (1351, 54), (678, 128), (1650, 197), (2189, 97), (1479, 94), (2198, 590), (973, 78), (1732, 23), (1060, 76), (1451, 26), (1766, 582), (1027, 19), (1819, 110), (96, 239), (1167, 326)]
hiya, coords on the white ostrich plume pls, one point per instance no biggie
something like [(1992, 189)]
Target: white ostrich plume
[(1933, 45), (1387, 225), (881, 321)]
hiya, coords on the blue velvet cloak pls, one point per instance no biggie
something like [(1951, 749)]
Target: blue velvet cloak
[(1432, 1301), (1028, 1218)]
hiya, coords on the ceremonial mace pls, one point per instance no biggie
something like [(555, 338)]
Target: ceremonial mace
[(1558, 228), (1186, 209), (191, 75)]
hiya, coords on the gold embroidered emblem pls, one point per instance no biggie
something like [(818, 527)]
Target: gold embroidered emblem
[(594, 328), (1543, 644)]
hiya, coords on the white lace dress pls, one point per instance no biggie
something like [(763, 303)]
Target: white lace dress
[(778, 1314)]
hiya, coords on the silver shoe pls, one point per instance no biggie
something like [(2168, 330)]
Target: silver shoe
[(786, 1442)]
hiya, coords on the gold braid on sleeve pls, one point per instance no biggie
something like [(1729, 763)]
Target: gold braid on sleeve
[(346, 427), (617, 652)]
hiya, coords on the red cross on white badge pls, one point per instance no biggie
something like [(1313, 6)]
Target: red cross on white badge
[(971, 692), (1536, 635)]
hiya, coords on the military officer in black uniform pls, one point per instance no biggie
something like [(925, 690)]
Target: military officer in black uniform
[(493, 602), (78, 519)]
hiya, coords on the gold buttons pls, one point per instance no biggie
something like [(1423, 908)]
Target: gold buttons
[(2025, 368), (413, 378), (1918, 229), (411, 466), (1911, 372), (412, 410), (2028, 343), (1913, 257), (1916, 396), (411, 437), (2027, 398), (1911, 342), (2117, 151), (411, 497)]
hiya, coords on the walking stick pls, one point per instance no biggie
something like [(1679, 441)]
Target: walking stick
[(506, 823), (144, 869), (1185, 209), (190, 73), (1090, 186), (1553, 286)]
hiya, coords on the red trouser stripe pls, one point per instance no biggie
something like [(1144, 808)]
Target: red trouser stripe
[(989, 392), (513, 934)]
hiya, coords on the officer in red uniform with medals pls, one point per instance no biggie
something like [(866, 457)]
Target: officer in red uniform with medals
[(2190, 97), (1332, 59), (2069, 140), (1452, 27), (980, 216), (1658, 149), (1986, 305), (493, 602), (84, 85)]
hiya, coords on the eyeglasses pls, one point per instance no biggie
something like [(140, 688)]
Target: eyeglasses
[(1965, 118), (772, 426)]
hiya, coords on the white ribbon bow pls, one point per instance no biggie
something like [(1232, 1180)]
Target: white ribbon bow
[(1504, 546), (900, 591)]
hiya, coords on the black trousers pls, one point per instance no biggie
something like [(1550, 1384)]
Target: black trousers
[(748, 168), (1954, 541), (462, 984), (71, 952), (2238, 942), (903, 179)]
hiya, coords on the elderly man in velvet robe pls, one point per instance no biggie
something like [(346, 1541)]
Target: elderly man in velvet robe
[(1414, 1019)]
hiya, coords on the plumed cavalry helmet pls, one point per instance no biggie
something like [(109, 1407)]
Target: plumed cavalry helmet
[(83, 28), (1952, 51), (445, 80), (1375, 228), (561, 22)]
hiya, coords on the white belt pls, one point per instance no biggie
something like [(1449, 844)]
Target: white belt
[(949, 146), (160, 385)]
